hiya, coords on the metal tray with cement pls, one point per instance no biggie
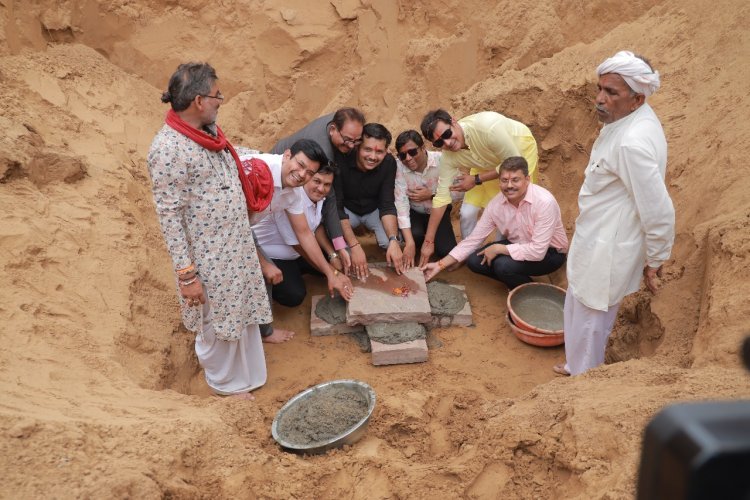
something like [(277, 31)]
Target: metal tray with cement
[(349, 436), (537, 307)]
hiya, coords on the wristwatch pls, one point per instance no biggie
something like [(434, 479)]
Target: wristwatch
[(393, 238), (332, 255), (477, 180)]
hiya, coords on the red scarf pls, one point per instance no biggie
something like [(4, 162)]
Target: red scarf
[(257, 183)]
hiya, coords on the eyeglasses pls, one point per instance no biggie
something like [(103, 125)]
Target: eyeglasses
[(217, 96), (440, 141), (349, 141), (411, 152)]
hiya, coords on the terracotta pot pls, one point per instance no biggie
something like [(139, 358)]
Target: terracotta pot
[(533, 306), (533, 338)]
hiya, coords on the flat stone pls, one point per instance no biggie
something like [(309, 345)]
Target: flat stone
[(414, 351), (461, 318), (320, 327), (374, 300)]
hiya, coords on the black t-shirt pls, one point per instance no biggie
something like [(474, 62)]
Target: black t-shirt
[(363, 192)]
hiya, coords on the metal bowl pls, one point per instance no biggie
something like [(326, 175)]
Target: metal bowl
[(350, 436), (537, 307), (533, 338)]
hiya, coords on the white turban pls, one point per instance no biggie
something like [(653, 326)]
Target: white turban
[(636, 73)]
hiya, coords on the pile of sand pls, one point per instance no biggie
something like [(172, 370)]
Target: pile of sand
[(101, 392)]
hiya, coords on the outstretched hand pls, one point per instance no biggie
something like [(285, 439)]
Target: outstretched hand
[(430, 270), (428, 248)]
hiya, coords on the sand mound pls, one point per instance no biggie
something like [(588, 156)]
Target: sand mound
[(102, 394)]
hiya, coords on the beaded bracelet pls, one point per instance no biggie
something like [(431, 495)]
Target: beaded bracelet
[(352, 246), (441, 265)]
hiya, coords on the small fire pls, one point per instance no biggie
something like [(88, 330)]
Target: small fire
[(402, 291)]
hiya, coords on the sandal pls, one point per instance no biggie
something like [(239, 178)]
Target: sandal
[(560, 370)]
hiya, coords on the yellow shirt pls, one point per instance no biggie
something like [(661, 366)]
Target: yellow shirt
[(491, 138)]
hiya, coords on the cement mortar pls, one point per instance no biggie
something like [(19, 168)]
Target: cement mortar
[(362, 341), (331, 310), (396, 333), (324, 415), (445, 300)]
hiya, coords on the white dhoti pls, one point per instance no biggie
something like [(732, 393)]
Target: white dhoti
[(586, 334), (231, 366)]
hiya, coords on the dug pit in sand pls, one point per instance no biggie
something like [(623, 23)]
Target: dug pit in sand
[(323, 416), (396, 333)]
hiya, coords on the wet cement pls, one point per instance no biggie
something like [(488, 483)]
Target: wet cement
[(395, 333), (331, 310), (324, 415), (445, 300), (542, 312), (362, 341)]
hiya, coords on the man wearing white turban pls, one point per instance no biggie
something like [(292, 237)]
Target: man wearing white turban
[(625, 228)]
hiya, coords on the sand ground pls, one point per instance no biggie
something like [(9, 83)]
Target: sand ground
[(102, 396)]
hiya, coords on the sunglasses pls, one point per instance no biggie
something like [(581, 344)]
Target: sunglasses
[(440, 141), (411, 152)]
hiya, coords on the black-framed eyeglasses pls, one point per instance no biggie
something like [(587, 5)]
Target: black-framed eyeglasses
[(349, 141), (217, 96), (440, 141), (411, 152)]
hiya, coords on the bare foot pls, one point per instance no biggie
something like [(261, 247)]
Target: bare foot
[(560, 370), (279, 336)]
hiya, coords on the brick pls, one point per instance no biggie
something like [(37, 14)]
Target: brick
[(319, 327), (374, 302), (414, 351)]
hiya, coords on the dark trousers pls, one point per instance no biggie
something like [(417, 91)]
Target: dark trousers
[(445, 239), (292, 290), (515, 272)]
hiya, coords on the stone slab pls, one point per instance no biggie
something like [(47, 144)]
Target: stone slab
[(374, 301), (461, 318), (320, 328), (414, 351)]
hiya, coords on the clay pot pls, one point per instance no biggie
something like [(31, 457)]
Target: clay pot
[(535, 306), (534, 338)]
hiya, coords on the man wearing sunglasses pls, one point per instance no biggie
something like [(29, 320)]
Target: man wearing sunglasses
[(416, 182), (480, 142), (338, 134)]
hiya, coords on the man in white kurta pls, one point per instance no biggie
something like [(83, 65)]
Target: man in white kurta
[(625, 228)]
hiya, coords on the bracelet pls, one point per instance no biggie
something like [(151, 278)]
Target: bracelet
[(355, 245), (441, 265), (185, 270), (190, 281), (428, 241), (335, 272)]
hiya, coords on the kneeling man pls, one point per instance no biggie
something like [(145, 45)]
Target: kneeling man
[(528, 216), (279, 242)]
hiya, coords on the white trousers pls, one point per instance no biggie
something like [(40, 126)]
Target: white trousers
[(586, 334), (234, 366)]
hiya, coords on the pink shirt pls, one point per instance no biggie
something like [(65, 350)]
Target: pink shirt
[(532, 228)]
